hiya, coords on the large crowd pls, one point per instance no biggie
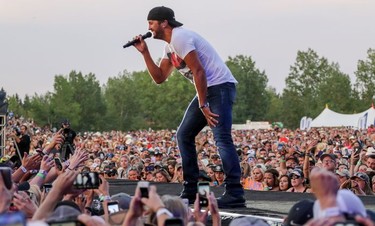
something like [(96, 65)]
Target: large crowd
[(276, 159)]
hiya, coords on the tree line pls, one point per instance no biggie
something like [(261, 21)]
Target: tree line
[(131, 100)]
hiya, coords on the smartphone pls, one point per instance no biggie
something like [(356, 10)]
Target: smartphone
[(113, 207), (174, 222), (203, 190), (87, 180), (186, 202), (13, 219), (6, 174), (250, 160), (280, 146), (47, 188), (58, 164), (347, 223), (357, 150), (66, 223), (150, 168), (40, 152), (143, 186)]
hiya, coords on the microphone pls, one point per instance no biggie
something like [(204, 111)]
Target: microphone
[(130, 43)]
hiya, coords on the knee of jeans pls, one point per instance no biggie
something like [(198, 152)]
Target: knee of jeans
[(182, 137)]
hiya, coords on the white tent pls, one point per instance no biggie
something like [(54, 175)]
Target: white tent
[(329, 118)]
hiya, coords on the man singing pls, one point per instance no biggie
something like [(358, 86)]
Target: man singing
[(198, 61)]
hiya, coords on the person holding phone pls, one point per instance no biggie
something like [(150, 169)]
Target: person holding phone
[(23, 142), (153, 202)]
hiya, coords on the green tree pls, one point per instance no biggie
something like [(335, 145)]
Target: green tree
[(252, 100), (123, 108), (274, 112), (79, 99), (39, 108), (87, 94), (365, 78), (15, 105), (312, 83)]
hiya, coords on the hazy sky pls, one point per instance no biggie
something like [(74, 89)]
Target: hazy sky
[(43, 38)]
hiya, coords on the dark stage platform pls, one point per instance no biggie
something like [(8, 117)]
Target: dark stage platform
[(265, 204)]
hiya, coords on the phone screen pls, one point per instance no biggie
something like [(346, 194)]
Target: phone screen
[(143, 186), (174, 222), (113, 207), (87, 180), (47, 187), (203, 190), (280, 146)]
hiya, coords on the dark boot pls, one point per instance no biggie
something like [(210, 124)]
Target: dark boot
[(189, 192), (233, 197)]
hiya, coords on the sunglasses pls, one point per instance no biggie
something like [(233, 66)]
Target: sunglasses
[(295, 176)]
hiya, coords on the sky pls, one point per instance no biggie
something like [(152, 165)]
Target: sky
[(43, 38)]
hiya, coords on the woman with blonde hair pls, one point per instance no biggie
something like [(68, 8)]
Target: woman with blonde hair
[(255, 181)]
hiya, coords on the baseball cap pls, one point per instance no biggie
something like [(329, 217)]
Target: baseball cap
[(163, 13), (347, 202), (64, 210), (292, 157), (370, 151), (247, 221), (297, 172), (361, 176), (332, 156), (343, 173), (123, 200), (218, 168), (300, 213)]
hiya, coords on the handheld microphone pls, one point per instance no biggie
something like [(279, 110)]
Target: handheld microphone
[(130, 43)]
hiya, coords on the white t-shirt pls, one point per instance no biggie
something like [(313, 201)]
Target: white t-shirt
[(184, 41)]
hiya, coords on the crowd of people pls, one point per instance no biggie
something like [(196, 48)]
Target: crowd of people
[(271, 160)]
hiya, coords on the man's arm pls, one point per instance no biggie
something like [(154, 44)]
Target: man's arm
[(200, 82), (158, 73)]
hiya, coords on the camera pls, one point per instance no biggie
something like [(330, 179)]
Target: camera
[(110, 172), (87, 180), (143, 186), (17, 130)]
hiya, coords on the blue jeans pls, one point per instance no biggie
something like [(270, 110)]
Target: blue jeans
[(220, 98)]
